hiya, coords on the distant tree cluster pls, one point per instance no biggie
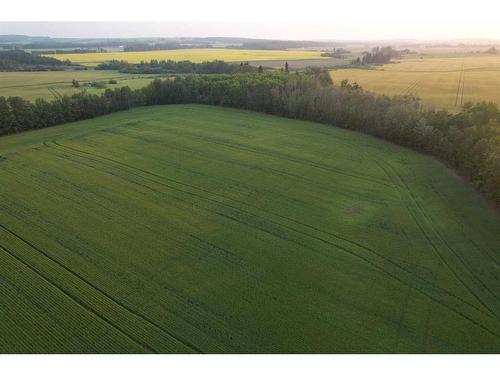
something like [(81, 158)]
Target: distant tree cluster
[(94, 84), (16, 60), (468, 141), (336, 53), (492, 51), (176, 67), (378, 55)]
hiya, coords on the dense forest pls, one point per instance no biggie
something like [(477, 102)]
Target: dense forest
[(179, 67), (16, 60), (468, 141)]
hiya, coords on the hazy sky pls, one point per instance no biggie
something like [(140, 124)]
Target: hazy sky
[(306, 19)]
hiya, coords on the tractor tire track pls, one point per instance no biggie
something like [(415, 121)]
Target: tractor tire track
[(279, 156), (443, 239), (435, 247), (248, 213), (240, 163), (72, 297), (102, 292), (459, 97), (279, 224)]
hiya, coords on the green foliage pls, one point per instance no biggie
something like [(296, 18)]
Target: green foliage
[(345, 84), (6, 116), (321, 74), (206, 229)]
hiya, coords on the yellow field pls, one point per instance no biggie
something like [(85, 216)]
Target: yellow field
[(194, 55), (445, 83), (47, 85)]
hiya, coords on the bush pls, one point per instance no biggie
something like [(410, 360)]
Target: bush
[(98, 85)]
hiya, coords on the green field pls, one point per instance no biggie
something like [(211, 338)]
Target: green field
[(202, 229), (444, 82), (49, 85), (196, 55)]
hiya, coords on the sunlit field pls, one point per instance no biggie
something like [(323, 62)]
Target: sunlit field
[(194, 55), (446, 83)]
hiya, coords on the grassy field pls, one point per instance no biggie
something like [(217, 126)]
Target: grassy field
[(444, 82), (48, 85), (194, 55), (203, 229)]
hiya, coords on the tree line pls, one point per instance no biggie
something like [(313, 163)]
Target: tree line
[(176, 67), (336, 53), (16, 60), (69, 51), (268, 44), (468, 141), (137, 47)]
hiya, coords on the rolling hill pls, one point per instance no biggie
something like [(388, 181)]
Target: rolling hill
[(188, 228)]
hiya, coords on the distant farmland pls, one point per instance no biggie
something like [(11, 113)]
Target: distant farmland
[(194, 55), (49, 85), (446, 82), (201, 229)]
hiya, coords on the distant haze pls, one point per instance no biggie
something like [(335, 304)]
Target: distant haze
[(312, 19)]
